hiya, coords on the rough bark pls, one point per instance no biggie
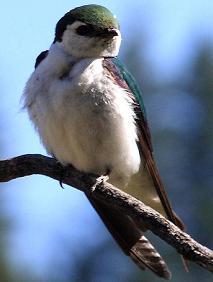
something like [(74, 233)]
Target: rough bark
[(98, 188)]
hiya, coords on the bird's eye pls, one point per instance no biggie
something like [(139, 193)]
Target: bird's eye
[(84, 30)]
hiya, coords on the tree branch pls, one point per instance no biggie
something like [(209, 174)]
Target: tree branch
[(37, 164)]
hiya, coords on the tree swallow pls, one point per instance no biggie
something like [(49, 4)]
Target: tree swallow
[(89, 112)]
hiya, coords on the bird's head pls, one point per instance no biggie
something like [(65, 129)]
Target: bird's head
[(88, 31)]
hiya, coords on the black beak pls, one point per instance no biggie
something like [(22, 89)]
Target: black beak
[(107, 32)]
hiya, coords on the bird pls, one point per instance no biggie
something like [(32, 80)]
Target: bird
[(88, 111)]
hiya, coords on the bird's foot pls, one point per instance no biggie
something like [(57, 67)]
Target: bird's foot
[(99, 180), (62, 175), (64, 172)]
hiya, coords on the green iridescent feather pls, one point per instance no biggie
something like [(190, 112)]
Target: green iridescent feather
[(95, 15), (130, 80)]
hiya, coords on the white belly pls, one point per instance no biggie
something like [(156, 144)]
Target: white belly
[(86, 120)]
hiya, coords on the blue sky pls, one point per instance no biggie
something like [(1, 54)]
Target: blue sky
[(42, 211)]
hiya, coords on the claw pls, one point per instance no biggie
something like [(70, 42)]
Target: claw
[(63, 170), (61, 183)]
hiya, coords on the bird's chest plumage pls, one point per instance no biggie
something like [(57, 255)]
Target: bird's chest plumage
[(87, 120)]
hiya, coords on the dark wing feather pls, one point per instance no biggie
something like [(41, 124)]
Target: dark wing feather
[(41, 57), (131, 239), (124, 79)]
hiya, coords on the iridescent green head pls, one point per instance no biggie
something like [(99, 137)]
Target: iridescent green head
[(88, 30), (95, 15)]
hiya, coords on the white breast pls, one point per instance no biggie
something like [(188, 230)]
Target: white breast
[(83, 119)]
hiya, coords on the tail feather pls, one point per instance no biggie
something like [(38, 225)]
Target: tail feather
[(145, 255), (131, 239)]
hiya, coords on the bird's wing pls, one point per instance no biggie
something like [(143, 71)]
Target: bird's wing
[(41, 57), (124, 79)]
